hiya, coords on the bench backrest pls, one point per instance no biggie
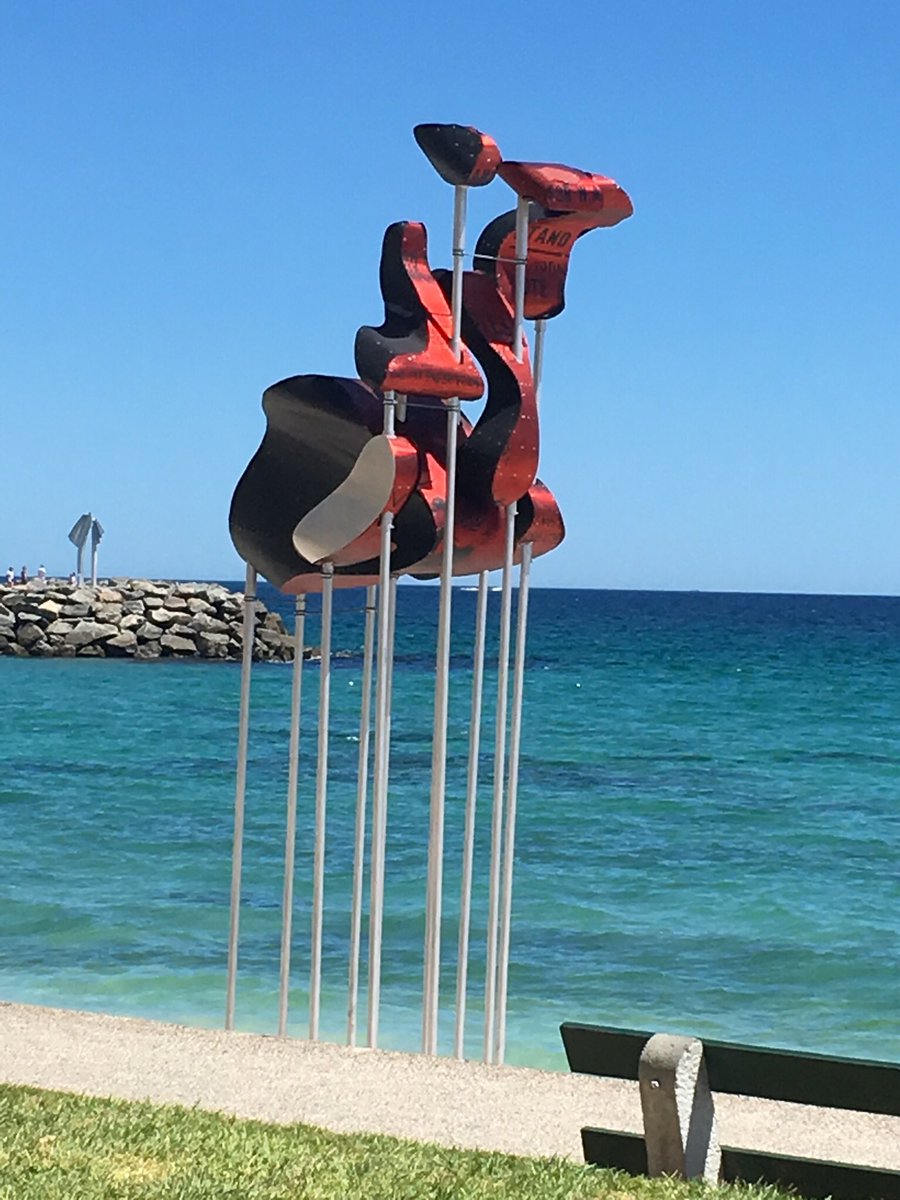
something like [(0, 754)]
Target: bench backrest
[(817, 1079)]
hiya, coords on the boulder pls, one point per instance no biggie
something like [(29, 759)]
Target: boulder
[(108, 612), (147, 650), (176, 645), (213, 645), (59, 628), (122, 645), (90, 651), (75, 610), (29, 634), (50, 608), (108, 595), (165, 616), (87, 633), (202, 622), (149, 632)]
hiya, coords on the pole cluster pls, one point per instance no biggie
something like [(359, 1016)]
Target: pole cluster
[(360, 481)]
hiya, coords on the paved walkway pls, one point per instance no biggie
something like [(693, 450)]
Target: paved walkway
[(512, 1109)]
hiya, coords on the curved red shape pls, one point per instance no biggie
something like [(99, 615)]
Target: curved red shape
[(411, 352), (499, 458), (567, 189)]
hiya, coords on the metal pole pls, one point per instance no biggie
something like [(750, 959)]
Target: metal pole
[(290, 836), (79, 565), (237, 851), (315, 974), (509, 846), (521, 253), (465, 903), (434, 888), (95, 547), (540, 329), (499, 765), (379, 779), (362, 784)]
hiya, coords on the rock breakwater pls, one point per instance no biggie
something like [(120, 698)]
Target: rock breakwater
[(134, 618)]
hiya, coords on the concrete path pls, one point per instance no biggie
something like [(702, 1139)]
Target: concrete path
[(511, 1109)]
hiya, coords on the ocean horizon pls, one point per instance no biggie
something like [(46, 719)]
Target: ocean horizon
[(707, 840)]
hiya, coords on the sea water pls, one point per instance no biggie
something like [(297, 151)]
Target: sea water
[(707, 840)]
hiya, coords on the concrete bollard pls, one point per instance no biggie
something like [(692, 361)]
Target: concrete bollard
[(679, 1116)]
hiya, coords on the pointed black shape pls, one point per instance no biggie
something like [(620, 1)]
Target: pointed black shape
[(462, 155)]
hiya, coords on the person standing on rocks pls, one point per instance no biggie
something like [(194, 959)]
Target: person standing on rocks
[(23, 576), (10, 577), (42, 574)]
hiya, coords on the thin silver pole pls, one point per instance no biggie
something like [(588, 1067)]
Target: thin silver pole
[(465, 902), (318, 897), (362, 785), (540, 329), (433, 901), (499, 766), (521, 253), (290, 837), (460, 196), (435, 878), (379, 778), (512, 792), (240, 792)]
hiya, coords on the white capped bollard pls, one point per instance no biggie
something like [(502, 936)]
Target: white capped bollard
[(679, 1116)]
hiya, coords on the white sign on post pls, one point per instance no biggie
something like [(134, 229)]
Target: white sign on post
[(78, 535)]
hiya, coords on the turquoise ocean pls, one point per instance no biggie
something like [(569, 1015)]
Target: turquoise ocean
[(708, 838)]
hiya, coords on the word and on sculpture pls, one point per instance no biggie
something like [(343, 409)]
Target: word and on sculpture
[(359, 481)]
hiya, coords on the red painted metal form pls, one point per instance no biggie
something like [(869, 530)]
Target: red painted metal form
[(411, 352)]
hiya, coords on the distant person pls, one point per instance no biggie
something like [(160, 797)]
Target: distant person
[(73, 579), (23, 575), (10, 576), (42, 573)]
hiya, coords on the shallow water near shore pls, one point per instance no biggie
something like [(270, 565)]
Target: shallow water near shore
[(708, 834)]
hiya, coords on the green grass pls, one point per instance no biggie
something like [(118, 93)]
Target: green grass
[(55, 1146)]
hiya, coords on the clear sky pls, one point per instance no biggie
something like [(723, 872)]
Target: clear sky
[(192, 202)]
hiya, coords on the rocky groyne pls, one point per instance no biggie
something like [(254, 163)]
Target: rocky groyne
[(134, 618)]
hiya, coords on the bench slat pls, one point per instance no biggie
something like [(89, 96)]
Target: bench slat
[(810, 1177), (818, 1079), (608, 1148), (597, 1050)]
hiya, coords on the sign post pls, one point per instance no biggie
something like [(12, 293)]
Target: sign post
[(96, 535)]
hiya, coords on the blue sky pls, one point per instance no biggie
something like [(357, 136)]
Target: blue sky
[(192, 202)]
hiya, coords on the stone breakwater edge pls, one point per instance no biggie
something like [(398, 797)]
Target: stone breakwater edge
[(135, 618)]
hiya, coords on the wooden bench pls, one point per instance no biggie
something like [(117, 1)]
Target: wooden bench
[(813, 1079)]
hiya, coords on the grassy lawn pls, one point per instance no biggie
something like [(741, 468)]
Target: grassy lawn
[(55, 1146)]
